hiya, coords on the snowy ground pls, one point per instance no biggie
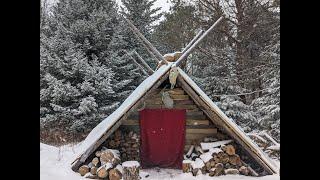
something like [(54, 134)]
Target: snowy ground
[(55, 164)]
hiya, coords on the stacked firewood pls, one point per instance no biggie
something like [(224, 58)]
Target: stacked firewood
[(105, 164), (215, 158), (127, 143)]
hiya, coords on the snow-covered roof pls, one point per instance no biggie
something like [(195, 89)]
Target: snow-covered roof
[(107, 123)]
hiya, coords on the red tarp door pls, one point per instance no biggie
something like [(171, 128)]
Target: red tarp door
[(162, 137)]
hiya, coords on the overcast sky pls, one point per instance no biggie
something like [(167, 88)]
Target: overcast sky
[(164, 4)]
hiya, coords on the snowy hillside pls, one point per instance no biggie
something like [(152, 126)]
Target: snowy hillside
[(55, 164)]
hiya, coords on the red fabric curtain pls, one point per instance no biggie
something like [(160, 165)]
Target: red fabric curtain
[(162, 137)]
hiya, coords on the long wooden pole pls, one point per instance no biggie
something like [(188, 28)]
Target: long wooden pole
[(148, 44), (192, 41), (146, 47), (198, 41), (143, 62), (142, 69)]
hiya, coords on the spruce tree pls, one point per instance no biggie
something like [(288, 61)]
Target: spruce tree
[(80, 63)]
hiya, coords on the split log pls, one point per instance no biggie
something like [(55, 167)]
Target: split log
[(229, 149), (98, 153), (115, 174), (252, 172), (90, 176), (199, 150), (224, 158), (207, 146), (217, 170), (231, 171), (195, 171), (190, 151), (90, 165), (102, 171), (244, 170), (93, 170), (131, 170), (95, 161), (235, 160), (106, 157), (206, 157), (186, 166), (84, 169)]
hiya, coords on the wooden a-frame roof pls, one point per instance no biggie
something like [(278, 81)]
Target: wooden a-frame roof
[(104, 129)]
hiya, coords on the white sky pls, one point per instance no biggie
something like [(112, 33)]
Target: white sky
[(164, 4)]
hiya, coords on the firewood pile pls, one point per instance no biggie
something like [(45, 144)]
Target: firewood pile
[(215, 158), (107, 165), (127, 143)]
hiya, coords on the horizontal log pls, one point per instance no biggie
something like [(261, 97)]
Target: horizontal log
[(131, 122), (193, 136), (197, 122), (173, 96), (178, 91), (201, 131), (176, 102), (176, 106), (190, 115)]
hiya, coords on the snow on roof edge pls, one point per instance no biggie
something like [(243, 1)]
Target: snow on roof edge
[(107, 123), (272, 165)]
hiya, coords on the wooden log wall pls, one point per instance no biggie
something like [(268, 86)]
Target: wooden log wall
[(198, 125)]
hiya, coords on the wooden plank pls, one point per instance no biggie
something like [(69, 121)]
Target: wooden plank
[(202, 131), (190, 115)]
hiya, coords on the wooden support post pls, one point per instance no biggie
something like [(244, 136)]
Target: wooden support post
[(147, 43), (197, 42), (143, 62)]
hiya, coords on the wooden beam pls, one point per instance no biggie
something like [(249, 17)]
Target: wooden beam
[(195, 44), (147, 43), (143, 62)]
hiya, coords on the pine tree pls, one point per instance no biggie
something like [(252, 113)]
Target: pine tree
[(80, 62)]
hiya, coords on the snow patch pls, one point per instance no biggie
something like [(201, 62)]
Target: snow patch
[(130, 164)]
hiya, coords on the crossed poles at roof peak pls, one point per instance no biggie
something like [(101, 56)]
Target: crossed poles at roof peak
[(185, 53)]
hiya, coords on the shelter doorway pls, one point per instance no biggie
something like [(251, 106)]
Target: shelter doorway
[(162, 133)]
